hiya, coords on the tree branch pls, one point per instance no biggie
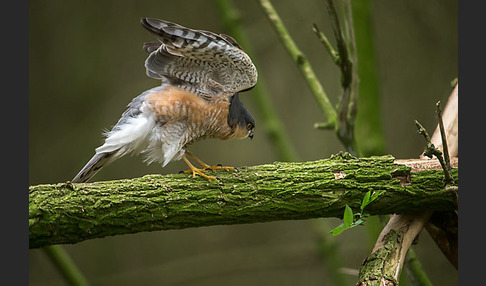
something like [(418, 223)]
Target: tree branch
[(345, 57), (271, 122), (443, 226), (368, 123), (388, 255), (302, 63), (347, 108), (70, 213), (450, 118), (66, 266)]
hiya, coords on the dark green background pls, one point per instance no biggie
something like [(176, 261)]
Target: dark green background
[(86, 64)]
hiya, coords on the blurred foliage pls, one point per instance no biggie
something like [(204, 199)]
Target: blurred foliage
[(86, 64), (369, 127)]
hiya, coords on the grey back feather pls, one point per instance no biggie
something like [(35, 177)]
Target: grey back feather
[(200, 61)]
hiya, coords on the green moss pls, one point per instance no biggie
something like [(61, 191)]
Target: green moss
[(68, 213)]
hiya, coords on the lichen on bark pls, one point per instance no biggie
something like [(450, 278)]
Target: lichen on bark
[(70, 213)]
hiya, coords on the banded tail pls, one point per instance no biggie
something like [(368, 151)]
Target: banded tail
[(94, 166)]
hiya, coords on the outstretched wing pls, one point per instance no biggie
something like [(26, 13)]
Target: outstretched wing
[(201, 61)]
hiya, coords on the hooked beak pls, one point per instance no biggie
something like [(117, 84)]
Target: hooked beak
[(250, 134)]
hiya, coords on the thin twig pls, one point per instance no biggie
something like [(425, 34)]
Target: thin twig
[(322, 37), (443, 226), (324, 125), (445, 149), (368, 130), (414, 265), (450, 120), (350, 42), (424, 133), (301, 61), (431, 151), (348, 101), (66, 266), (271, 122)]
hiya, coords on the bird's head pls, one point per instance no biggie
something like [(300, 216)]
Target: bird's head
[(240, 119)]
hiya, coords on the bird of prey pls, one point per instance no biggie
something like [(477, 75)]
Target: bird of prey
[(202, 74)]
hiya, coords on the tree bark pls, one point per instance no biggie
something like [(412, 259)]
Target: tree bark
[(384, 265), (70, 213)]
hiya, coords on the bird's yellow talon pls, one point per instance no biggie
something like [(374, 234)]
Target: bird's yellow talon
[(205, 167), (196, 171)]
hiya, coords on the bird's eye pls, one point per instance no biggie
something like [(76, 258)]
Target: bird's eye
[(249, 126)]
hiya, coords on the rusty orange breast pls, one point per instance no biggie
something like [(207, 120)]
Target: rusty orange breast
[(204, 118)]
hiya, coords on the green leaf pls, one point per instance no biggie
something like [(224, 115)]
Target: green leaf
[(338, 229), (375, 195), (357, 222), (366, 200), (348, 216)]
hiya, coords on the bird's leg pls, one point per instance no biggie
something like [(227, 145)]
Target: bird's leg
[(196, 171), (206, 166)]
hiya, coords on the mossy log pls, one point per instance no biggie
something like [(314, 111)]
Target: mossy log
[(70, 213)]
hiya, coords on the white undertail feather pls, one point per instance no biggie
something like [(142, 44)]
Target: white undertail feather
[(130, 136), (125, 138), (139, 131)]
